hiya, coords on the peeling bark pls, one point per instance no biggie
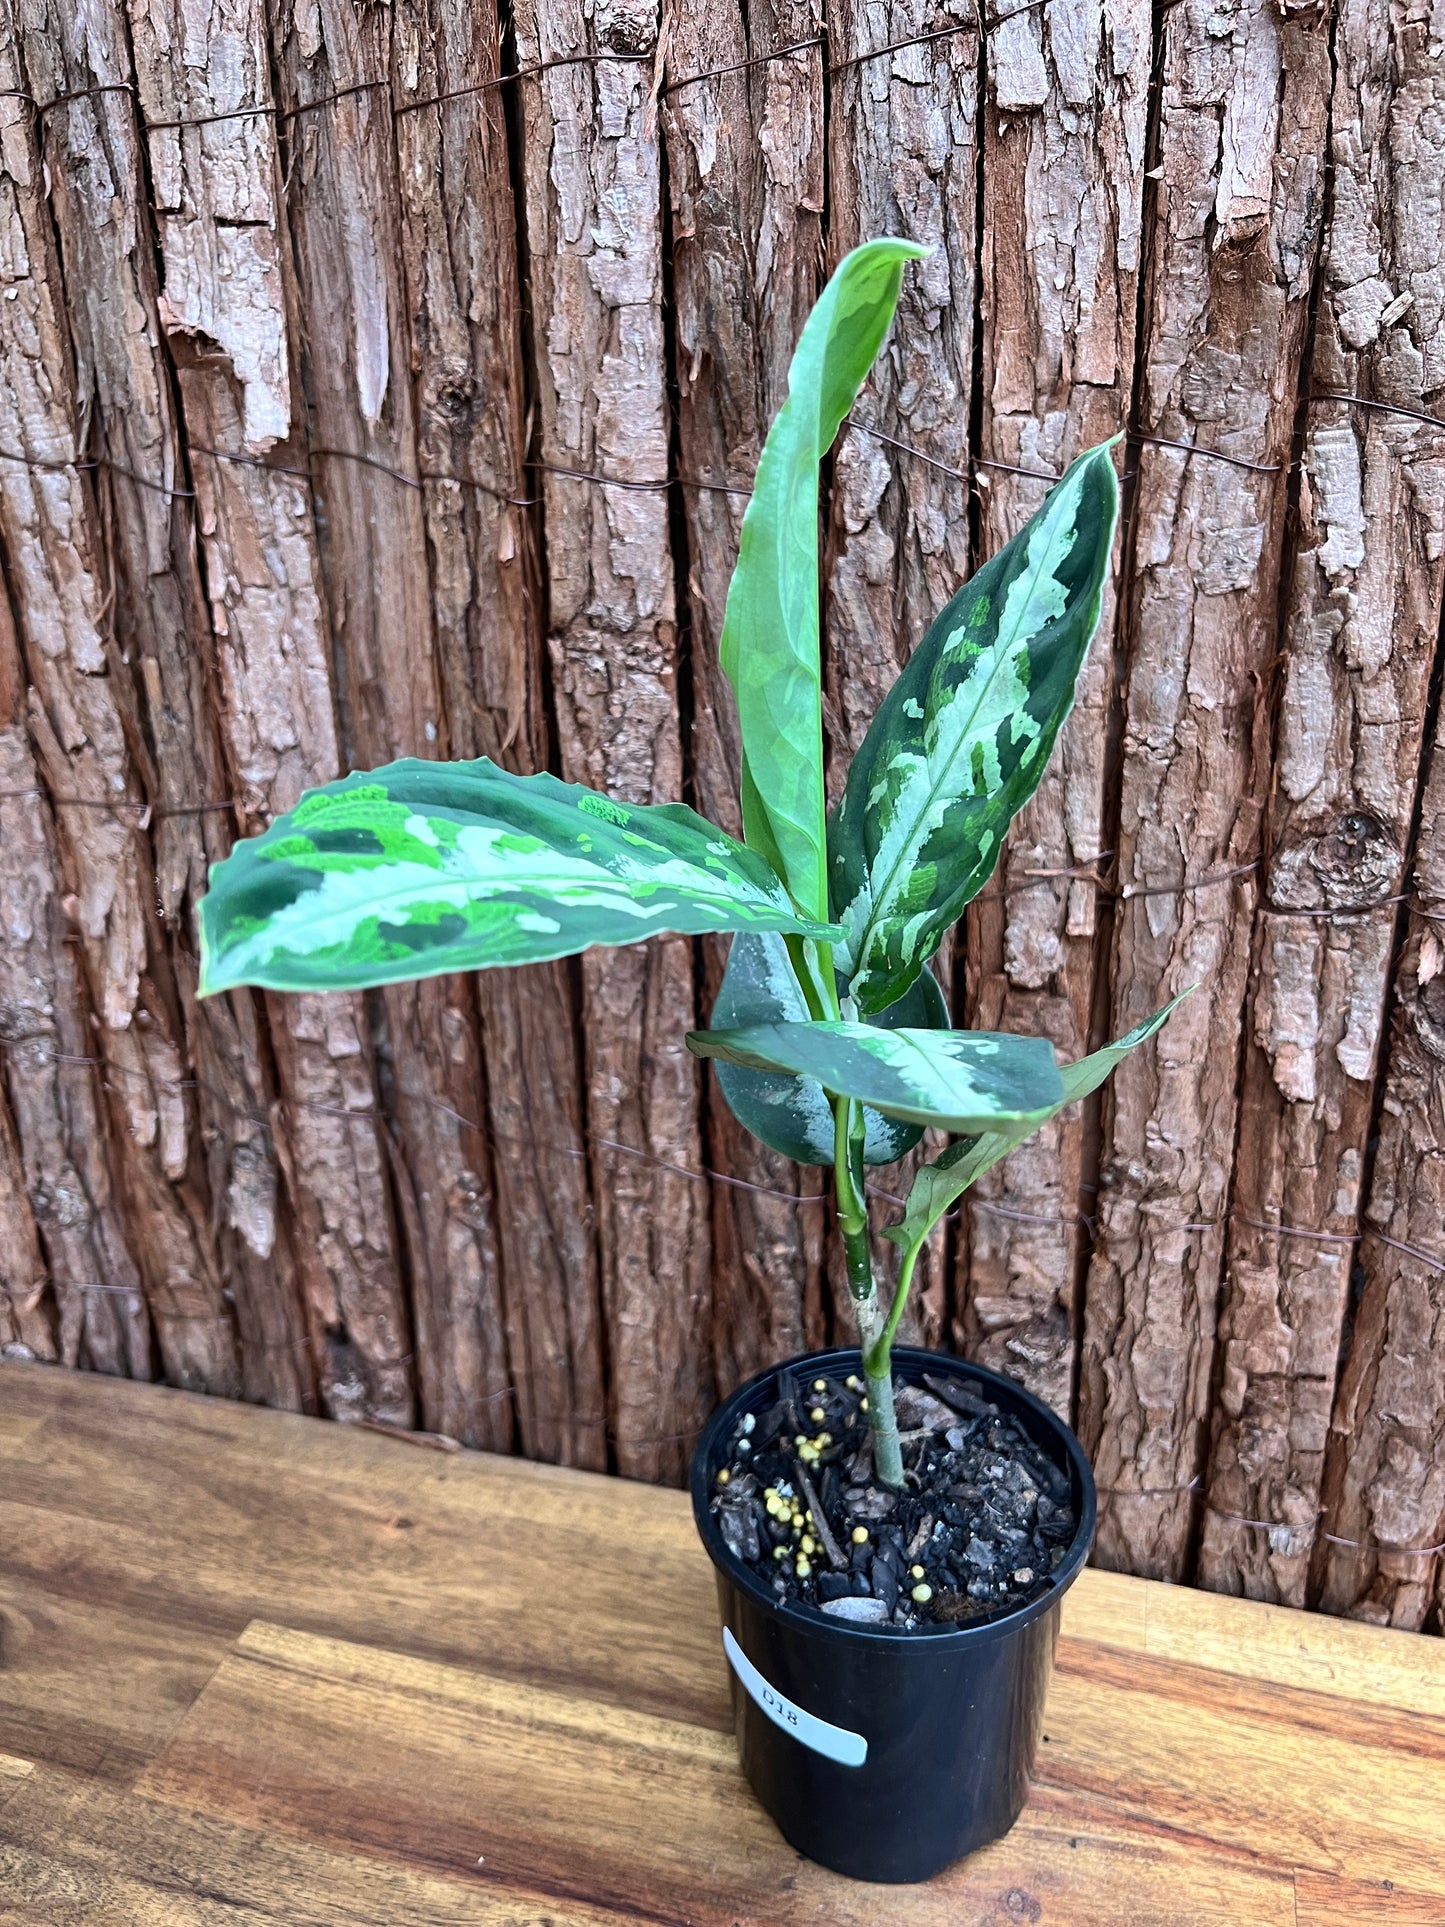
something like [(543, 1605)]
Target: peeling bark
[(226, 308), (1360, 637), (745, 173), (902, 160), (85, 715), (346, 231), (459, 237), (593, 215), (1233, 237), (28, 1325), (1063, 167), (1384, 1480)]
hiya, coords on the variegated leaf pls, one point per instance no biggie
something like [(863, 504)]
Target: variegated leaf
[(962, 738), (769, 643), (961, 1080), (420, 868), (792, 1114), (938, 1185)]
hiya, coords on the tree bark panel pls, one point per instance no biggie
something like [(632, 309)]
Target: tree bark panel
[(150, 616), (344, 204), (1384, 1476), (902, 159), (745, 176), (592, 166), (460, 249), (1363, 618), (1062, 164), (1237, 221)]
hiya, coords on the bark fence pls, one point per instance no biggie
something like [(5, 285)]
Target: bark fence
[(386, 380)]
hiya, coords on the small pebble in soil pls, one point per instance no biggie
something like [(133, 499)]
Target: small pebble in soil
[(982, 1524)]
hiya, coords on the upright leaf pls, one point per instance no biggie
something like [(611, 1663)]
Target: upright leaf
[(770, 631), (961, 740), (420, 868), (959, 1080), (939, 1184), (793, 1115)]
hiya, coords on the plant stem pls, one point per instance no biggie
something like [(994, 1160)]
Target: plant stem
[(874, 1334)]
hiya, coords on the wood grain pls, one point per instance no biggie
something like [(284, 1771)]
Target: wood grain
[(260, 1667)]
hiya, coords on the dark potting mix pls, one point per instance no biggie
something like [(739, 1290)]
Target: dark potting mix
[(982, 1523)]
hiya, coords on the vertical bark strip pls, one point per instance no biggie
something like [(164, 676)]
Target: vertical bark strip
[(1360, 635), (28, 1325), (227, 308), (346, 232), (93, 152), (51, 1247), (83, 723), (902, 160), (1384, 1481), (1237, 220), (460, 244), (1063, 167), (593, 212), (745, 173)]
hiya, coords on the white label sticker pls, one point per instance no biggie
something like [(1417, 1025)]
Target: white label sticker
[(833, 1742)]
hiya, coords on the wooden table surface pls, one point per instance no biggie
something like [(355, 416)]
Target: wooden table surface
[(262, 1669)]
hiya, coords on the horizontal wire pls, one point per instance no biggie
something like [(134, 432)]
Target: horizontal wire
[(662, 483), (371, 1115)]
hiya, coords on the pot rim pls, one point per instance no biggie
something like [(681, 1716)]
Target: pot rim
[(896, 1638)]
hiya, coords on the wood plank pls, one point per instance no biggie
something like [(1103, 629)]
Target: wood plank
[(405, 1521), (131, 1862), (1259, 1642), (1063, 133), (1358, 651), (1321, 1901), (95, 1687), (1229, 257), (417, 1762), (1164, 1751), (265, 1667)]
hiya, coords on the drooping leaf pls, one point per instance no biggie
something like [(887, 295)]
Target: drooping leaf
[(769, 642), (938, 1185), (793, 1114), (961, 740), (420, 868), (960, 1080)]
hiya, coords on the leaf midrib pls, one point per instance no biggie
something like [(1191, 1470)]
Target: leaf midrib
[(882, 893)]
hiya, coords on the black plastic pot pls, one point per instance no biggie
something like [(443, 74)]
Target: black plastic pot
[(881, 1753)]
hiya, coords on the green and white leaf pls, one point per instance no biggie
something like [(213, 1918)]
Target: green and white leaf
[(793, 1115), (961, 740), (960, 1080), (769, 646), (939, 1185), (420, 868)]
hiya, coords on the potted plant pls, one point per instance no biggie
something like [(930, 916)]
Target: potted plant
[(892, 1530)]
